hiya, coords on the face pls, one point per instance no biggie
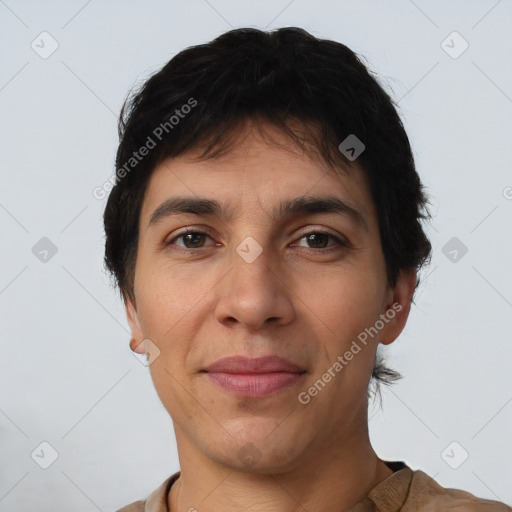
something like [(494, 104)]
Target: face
[(284, 284)]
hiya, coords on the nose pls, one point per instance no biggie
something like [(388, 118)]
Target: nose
[(254, 294)]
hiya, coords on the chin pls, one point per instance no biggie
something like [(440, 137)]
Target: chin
[(248, 458), (258, 445)]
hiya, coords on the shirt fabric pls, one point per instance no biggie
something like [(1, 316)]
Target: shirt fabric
[(405, 491)]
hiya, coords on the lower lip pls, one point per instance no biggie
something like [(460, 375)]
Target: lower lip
[(255, 384)]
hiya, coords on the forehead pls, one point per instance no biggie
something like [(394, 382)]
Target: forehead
[(260, 170)]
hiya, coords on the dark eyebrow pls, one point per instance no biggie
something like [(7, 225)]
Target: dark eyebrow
[(297, 206), (177, 205), (322, 204)]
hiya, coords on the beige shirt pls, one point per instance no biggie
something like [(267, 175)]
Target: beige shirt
[(405, 491)]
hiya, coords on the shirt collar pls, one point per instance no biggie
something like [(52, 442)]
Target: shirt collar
[(157, 500), (389, 495)]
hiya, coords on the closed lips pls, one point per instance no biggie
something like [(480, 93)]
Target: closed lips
[(258, 365)]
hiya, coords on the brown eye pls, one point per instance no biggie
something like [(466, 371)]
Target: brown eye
[(320, 240), (317, 240), (190, 240)]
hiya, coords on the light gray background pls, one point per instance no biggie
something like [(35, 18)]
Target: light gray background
[(68, 376)]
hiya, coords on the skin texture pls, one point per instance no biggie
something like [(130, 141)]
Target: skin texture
[(295, 301)]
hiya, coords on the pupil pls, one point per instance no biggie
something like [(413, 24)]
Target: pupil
[(311, 238), (192, 237)]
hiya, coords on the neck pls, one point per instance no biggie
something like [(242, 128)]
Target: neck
[(334, 480)]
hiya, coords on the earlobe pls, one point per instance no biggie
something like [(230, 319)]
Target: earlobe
[(136, 341), (398, 306), (137, 346)]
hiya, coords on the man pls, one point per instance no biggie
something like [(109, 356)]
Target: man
[(265, 233)]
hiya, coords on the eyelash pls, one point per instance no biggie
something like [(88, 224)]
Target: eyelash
[(339, 242)]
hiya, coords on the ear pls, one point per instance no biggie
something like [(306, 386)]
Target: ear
[(398, 306), (133, 320)]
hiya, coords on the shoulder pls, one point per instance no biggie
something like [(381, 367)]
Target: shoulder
[(137, 506), (426, 495), (156, 501)]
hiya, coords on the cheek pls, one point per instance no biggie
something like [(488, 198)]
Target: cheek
[(166, 300), (345, 301), (169, 292), (169, 301)]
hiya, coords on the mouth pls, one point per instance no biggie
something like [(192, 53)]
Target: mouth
[(255, 384), (254, 377)]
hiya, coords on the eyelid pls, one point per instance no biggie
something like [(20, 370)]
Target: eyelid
[(340, 240), (201, 230), (317, 230)]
